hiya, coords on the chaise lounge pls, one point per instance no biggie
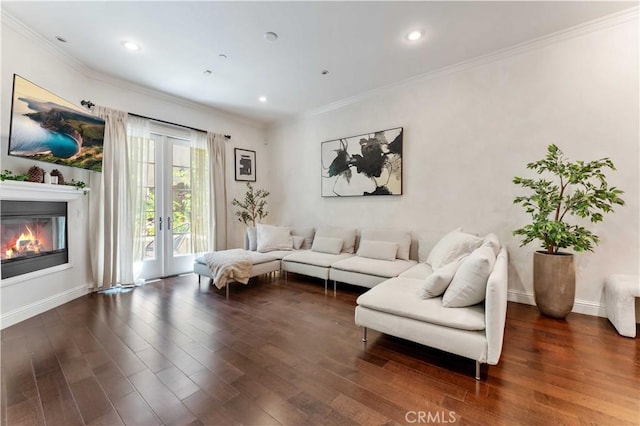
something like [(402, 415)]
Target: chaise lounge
[(476, 332)]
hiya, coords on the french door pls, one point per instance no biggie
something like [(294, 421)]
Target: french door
[(168, 248)]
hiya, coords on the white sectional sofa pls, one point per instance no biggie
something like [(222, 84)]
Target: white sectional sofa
[(380, 255), (319, 258), (261, 263), (376, 259), (454, 300), (474, 332)]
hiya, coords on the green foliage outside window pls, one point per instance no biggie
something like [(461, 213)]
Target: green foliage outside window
[(181, 198)]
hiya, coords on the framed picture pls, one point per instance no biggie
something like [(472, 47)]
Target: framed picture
[(245, 162), (45, 127), (368, 164)]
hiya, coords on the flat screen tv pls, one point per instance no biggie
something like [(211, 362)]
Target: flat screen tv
[(45, 127)]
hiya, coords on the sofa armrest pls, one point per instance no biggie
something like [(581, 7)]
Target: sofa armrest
[(496, 307)]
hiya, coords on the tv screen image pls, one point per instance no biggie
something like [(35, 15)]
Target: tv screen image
[(45, 127)]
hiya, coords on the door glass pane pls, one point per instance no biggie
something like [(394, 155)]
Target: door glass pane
[(149, 173), (181, 199)]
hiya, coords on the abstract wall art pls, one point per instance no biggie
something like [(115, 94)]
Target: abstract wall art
[(245, 165), (368, 164)]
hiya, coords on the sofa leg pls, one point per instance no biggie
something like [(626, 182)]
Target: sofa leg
[(227, 289), (199, 279), (334, 287), (364, 334), (477, 370), (326, 281)]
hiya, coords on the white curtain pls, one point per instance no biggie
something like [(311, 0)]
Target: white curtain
[(110, 207), (139, 150), (217, 165), (117, 211), (202, 219), (209, 192)]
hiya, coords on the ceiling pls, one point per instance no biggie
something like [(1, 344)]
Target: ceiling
[(361, 44)]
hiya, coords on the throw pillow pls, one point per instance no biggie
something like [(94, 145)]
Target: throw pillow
[(403, 239), (307, 234), (439, 280), (252, 238), (469, 284), (347, 235), (492, 241), (272, 238), (451, 247), (327, 245), (382, 250), (427, 240), (298, 241)]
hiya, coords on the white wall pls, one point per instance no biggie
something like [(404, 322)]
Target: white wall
[(28, 55), (467, 132)]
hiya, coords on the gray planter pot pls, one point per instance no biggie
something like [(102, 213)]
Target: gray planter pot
[(554, 283)]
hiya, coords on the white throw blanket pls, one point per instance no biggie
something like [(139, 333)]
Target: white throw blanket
[(228, 265)]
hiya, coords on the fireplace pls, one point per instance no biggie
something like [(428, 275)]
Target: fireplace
[(33, 236)]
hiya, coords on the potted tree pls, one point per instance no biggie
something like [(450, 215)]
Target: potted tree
[(577, 189), (254, 206)]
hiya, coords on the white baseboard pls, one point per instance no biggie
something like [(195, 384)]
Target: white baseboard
[(36, 308), (580, 306)]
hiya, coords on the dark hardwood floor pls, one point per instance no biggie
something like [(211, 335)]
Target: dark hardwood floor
[(285, 353)]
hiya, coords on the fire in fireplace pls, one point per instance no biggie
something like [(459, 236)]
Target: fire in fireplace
[(33, 236), (27, 243)]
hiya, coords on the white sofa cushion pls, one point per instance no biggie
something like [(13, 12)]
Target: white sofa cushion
[(309, 257), (348, 236), (436, 283), (252, 237), (399, 296), (272, 238), (402, 238), (327, 245), (298, 242), (307, 234), (420, 271), (492, 241), (382, 250), (280, 254), (379, 268), (451, 247), (256, 257), (426, 241), (469, 284)]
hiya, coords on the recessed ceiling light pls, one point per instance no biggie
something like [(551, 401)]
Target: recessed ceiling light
[(207, 72), (262, 99), (129, 45), (414, 35), (271, 36), (325, 72), (222, 56), (61, 39)]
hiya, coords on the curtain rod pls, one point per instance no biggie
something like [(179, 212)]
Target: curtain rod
[(90, 105)]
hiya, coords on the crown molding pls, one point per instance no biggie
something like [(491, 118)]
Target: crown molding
[(43, 42), (160, 95), (92, 74), (589, 27)]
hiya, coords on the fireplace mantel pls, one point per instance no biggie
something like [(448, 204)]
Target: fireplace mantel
[(30, 191)]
